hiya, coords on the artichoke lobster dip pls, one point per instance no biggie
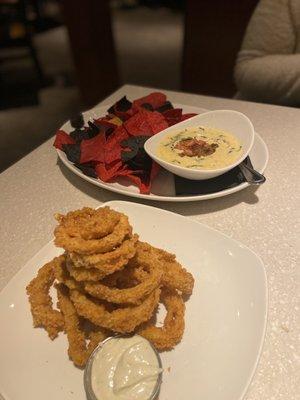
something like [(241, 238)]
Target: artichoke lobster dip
[(200, 147)]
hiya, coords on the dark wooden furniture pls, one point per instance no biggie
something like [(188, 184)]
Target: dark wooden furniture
[(14, 13), (89, 26), (214, 31)]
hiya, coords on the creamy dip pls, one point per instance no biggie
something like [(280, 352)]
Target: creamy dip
[(200, 147), (125, 369)]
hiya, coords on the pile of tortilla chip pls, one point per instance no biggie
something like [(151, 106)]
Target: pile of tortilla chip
[(113, 146)]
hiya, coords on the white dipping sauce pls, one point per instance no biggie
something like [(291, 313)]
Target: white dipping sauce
[(125, 369)]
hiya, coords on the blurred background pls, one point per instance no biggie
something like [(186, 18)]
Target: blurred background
[(58, 58)]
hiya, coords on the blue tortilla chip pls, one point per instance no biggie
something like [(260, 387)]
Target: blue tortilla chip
[(72, 152)]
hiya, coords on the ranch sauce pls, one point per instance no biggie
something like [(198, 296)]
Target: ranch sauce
[(200, 147), (125, 369)]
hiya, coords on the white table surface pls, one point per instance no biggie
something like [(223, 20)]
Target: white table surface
[(266, 220)]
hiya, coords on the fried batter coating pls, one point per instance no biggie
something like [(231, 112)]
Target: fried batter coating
[(174, 275), (40, 301), (166, 337), (122, 320), (78, 350), (76, 338), (85, 274), (95, 338), (62, 274), (109, 282), (88, 223), (103, 245), (150, 280), (133, 295), (107, 262)]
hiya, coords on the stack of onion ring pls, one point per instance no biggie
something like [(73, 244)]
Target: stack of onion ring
[(108, 282)]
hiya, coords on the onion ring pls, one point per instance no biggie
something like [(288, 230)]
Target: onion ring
[(132, 295), (107, 262), (95, 338), (122, 320), (166, 337), (103, 245), (76, 338), (175, 276), (108, 282), (78, 350), (85, 274), (88, 223), (62, 274), (96, 274), (40, 301)]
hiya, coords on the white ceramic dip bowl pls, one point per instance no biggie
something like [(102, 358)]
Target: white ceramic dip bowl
[(230, 121)]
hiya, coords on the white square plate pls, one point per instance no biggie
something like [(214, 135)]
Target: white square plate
[(225, 319)]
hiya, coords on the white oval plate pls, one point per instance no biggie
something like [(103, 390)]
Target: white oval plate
[(225, 319), (163, 188)]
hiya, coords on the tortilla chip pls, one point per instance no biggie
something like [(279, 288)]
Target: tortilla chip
[(62, 138), (157, 122), (72, 152), (187, 116), (155, 99), (93, 149), (88, 169), (122, 105), (122, 109), (116, 121), (113, 146), (173, 116), (79, 134), (145, 123), (108, 172)]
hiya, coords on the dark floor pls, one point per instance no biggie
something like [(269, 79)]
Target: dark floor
[(24, 128), (148, 42), (149, 46)]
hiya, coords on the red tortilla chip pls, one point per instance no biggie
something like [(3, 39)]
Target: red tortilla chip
[(108, 172), (104, 124), (157, 122), (125, 115), (62, 138), (145, 123), (138, 124), (143, 187), (187, 116), (113, 146), (154, 171), (102, 156), (173, 116), (156, 99), (119, 170), (113, 155), (93, 149)]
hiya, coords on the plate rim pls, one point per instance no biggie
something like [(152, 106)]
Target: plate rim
[(113, 203), (154, 197), (237, 242)]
